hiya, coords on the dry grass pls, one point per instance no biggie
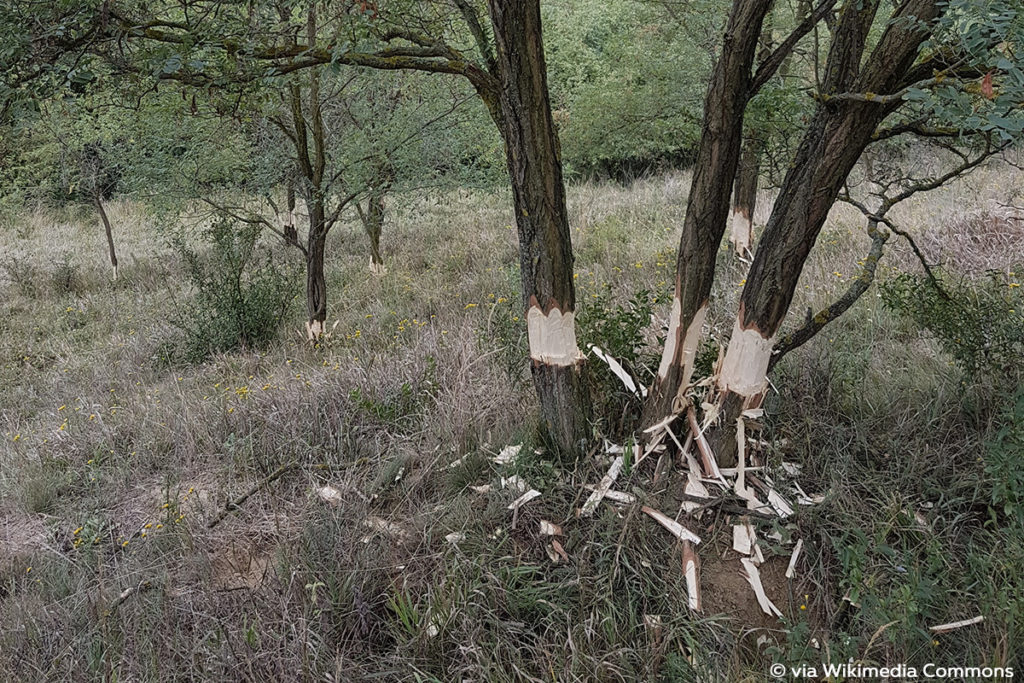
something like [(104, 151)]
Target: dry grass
[(113, 460)]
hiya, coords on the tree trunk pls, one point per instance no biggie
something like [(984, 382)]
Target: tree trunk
[(288, 229), (316, 284), (832, 144), (98, 202), (373, 217), (374, 226), (745, 198), (707, 208), (545, 247)]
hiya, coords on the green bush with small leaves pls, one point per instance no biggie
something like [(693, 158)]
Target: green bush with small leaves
[(980, 323), (619, 330), (241, 294), (1003, 454)]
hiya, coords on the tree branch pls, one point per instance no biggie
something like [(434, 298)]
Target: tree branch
[(472, 19), (879, 237), (771, 64), (860, 284)]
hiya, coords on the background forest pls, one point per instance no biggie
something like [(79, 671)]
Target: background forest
[(368, 341)]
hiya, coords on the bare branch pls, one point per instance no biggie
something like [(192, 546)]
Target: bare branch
[(771, 64), (879, 236), (472, 19), (255, 220), (859, 285)]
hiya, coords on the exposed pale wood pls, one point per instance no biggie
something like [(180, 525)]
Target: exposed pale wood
[(602, 488), (674, 527)]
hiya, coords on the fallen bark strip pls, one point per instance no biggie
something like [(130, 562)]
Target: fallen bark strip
[(674, 527), (691, 570), (606, 483), (754, 579), (953, 625), (791, 569), (237, 502)]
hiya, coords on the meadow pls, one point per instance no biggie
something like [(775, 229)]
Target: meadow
[(130, 550)]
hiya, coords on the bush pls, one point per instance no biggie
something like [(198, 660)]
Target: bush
[(1002, 464), (619, 330), (241, 295), (980, 323)]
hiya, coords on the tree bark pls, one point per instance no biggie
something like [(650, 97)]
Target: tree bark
[(373, 217), (545, 247), (316, 283), (744, 199), (98, 203), (707, 207), (374, 226), (834, 141), (288, 229)]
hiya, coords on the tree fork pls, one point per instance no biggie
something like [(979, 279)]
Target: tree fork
[(834, 141), (707, 207)]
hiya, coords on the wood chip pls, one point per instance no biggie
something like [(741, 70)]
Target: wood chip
[(674, 527), (620, 497), (602, 488), (953, 625), (330, 495), (523, 499), (550, 528), (507, 454), (791, 569), (661, 424), (754, 579), (691, 570), (743, 538), (483, 488), (792, 468), (707, 456), (695, 488), (612, 449), (620, 372), (515, 482), (779, 504)]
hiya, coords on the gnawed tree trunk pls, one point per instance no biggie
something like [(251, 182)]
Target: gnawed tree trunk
[(98, 203), (316, 283), (707, 208), (545, 247), (745, 199), (374, 226), (288, 229), (836, 137), (373, 217)]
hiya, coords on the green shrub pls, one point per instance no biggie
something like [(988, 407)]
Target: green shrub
[(241, 294), (1003, 454), (620, 331), (980, 323)]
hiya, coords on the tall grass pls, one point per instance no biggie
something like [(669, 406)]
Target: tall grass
[(115, 456)]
